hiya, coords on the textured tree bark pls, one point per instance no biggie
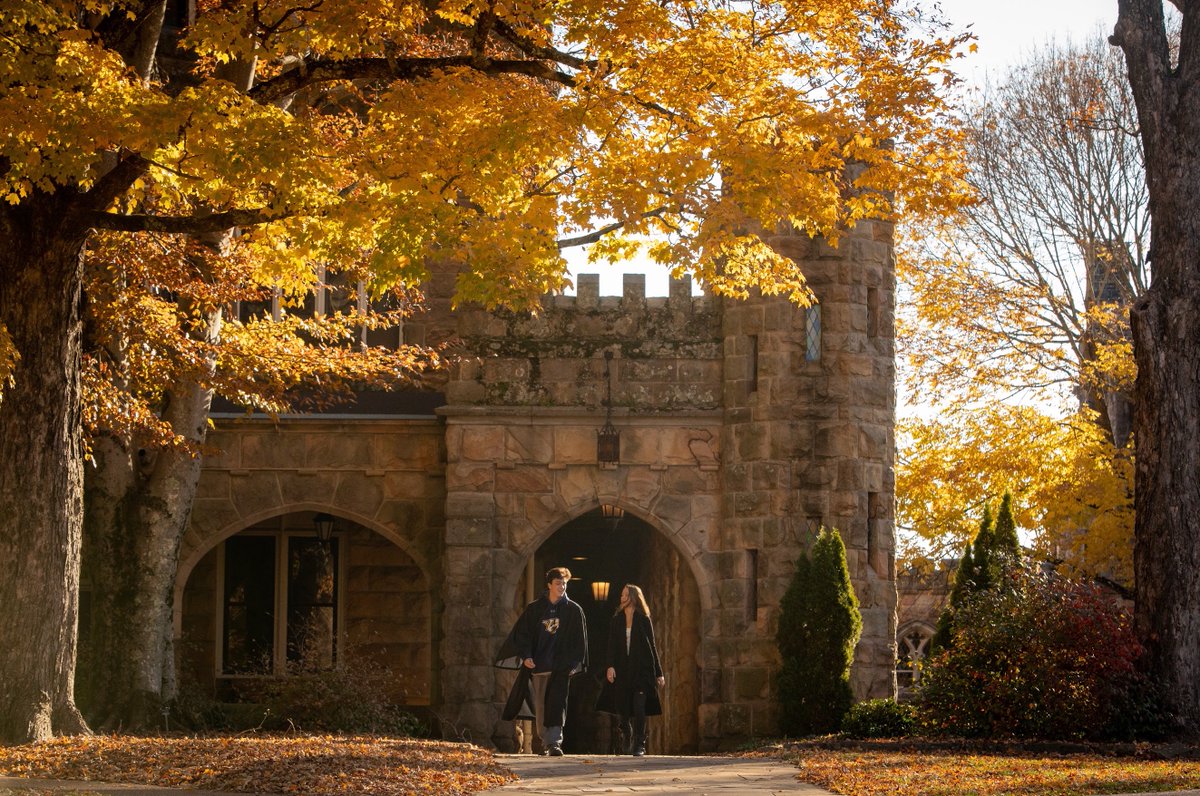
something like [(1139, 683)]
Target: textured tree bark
[(1166, 331), (41, 475), (139, 505)]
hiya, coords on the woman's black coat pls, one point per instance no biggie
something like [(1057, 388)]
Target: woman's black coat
[(570, 657), (636, 671)]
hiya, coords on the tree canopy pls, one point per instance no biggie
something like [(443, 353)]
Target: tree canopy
[(1073, 488), (487, 134), (1029, 288)]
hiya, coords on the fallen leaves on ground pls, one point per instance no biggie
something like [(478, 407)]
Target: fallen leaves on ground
[(899, 772), (292, 764)]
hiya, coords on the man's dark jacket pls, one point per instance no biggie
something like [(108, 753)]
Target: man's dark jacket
[(637, 670), (570, 657)]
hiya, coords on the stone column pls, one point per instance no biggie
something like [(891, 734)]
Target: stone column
[(473, 628)]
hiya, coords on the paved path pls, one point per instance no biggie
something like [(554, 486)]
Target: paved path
[(657, 774), (21, 786), (559, 776)]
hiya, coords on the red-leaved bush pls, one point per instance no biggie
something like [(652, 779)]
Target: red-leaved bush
[(1040, 656)]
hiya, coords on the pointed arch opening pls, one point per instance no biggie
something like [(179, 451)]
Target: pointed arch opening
[(604, 554)]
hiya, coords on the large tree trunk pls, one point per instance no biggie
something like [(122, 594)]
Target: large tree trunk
[(138, 509), (41, 475), (1166, 332)]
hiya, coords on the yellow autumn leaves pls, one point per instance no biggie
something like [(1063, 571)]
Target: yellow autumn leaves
[(1073, 491), (509, 125)]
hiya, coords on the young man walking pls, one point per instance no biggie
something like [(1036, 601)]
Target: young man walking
[(548, 645)]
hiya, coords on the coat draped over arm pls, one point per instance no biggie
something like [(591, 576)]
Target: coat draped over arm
[(570, 657)]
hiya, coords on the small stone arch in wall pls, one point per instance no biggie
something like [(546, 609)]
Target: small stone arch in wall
[(912, 650), (373, 600)]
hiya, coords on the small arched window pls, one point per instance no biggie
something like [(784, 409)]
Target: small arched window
[(912, 648)]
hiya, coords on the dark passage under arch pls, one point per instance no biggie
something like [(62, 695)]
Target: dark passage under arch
[(600, 550)]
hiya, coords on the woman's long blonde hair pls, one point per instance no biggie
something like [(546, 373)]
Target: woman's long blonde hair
[(639, 600)]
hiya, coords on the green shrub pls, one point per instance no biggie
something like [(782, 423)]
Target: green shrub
[(985, 562), (1038, 656), (819, 624), (879, 718)]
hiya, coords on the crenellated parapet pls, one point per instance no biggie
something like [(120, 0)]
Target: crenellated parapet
[(667, 350)]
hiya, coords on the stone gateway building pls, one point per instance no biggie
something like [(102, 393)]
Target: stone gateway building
[(744, 426)]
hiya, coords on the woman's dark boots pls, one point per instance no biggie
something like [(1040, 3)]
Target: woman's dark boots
[(633, 728)]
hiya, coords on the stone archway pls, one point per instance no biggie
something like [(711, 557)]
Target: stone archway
[(255, 596), (599, 550)]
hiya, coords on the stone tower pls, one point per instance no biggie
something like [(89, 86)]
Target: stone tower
[(808, 442)]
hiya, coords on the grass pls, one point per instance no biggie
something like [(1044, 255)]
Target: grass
[(900, 769)]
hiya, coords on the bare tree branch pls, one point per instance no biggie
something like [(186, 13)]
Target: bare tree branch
[(189, 225), (383, 69), (595, 235), (538, 51)]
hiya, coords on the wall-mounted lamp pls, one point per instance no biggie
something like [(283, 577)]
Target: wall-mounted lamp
[(608, 439), (600, 590), (323, 524)]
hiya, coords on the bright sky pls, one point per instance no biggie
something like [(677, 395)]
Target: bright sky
[(1006, 30)]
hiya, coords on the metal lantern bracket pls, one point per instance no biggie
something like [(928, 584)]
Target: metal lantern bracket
[(323, 525), (608, 439)]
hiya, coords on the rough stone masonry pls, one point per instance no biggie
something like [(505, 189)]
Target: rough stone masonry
[(745, 427)]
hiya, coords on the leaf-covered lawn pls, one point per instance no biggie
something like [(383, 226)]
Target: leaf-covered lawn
[(858, 772), (310, 765)]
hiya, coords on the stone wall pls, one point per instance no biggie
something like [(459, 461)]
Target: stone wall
[(666, 351), (388, 611), (923, 595)]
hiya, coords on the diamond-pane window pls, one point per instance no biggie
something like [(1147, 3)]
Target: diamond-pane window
[(812, 331)]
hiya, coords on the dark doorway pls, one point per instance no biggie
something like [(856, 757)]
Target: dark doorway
[(614, 551)]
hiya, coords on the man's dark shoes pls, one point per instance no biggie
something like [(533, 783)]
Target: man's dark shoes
[(552, 751), (639, 750)]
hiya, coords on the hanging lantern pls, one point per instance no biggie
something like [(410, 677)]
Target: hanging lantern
[(323, 525), (608, 439), (600, 590), (611, 512)]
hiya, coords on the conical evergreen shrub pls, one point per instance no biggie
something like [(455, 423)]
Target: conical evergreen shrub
[(819, 625), (1006, 547), (985, 562)]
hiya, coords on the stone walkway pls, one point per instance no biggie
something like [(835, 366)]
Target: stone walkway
[(558, 776), (20, 786), (658, 774)]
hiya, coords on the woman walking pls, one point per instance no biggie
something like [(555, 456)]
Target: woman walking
[(633, 670)]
